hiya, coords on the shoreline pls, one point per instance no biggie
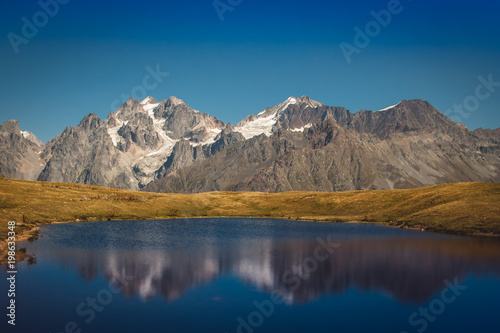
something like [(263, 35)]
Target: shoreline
[(22, 237), (26, 234), (466, 209)]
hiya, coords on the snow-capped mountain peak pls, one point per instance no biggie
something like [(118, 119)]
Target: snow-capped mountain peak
[(149, 100), (145, 141), (264, 122), (146, 132), (267, 119), (149, 104)]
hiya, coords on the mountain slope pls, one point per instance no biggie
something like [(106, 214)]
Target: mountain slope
[(129, 148), (418, 147), (19, 152), (85, 154), (300, 144)]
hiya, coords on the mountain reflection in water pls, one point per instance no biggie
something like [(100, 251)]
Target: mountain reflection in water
[(411, 270)]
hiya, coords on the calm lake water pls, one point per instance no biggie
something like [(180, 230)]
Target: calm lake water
[(254, 275)]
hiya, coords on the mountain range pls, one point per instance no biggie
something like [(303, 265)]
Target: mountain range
[(299, 144)]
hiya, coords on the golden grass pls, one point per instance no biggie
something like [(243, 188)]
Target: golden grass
[(462, 208)]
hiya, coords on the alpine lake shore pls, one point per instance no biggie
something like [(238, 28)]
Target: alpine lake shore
[(460, 208)]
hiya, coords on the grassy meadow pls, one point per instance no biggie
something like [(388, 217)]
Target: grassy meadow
[(462, 208)]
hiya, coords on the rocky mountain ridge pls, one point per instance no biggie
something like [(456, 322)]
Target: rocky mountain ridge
[(299, 144)]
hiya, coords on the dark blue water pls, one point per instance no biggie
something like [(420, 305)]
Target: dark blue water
[(254, 275)]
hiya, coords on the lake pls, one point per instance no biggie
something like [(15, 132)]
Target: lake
[(254, 275)]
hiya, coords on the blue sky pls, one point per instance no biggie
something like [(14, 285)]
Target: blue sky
[(89, 54)]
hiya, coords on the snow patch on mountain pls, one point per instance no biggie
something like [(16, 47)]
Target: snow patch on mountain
[(264, 122), (389, 107), (153, 160), (113, 132), (31, 137), (147, 100), (301, 129), (149, 109), (258, 126), (210, 139), (167, 143)]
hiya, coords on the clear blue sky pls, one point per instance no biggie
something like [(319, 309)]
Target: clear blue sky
[(90, 53)]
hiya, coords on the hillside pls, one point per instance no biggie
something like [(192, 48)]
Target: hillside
[(461, 208)]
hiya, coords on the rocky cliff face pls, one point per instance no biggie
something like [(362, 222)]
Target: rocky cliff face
[(408, 145), (85, 154), (299, 144), (185, 153), (19, 152), (135, 144)]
